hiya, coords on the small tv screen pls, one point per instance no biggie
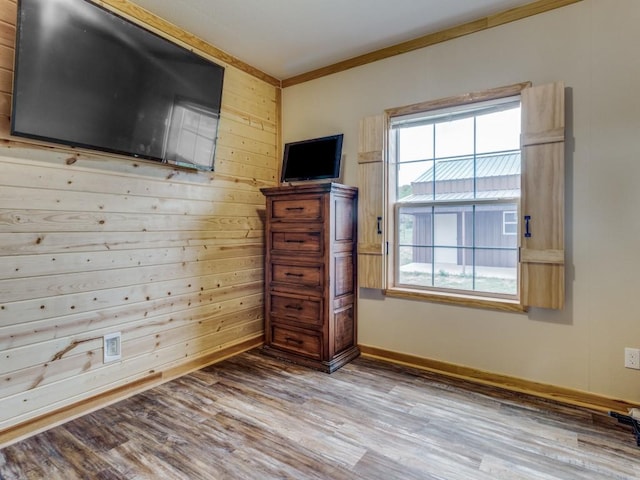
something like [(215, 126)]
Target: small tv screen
[(313, 159), (85, 77)]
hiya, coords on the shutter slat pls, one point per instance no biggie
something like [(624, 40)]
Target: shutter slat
[(542, 256), (370, 157), (550, 136)]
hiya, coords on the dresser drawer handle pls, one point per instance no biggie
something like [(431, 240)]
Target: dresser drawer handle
[(297, 306), (297, 341), (289, 274), (293, 209), (294, 241)]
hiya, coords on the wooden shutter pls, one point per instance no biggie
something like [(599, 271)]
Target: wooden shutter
[(371, 202), (542, 236)]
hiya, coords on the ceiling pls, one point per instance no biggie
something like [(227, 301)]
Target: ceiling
[(284, 38)]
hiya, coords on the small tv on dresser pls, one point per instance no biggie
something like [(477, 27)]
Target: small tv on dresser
[(312, 159)]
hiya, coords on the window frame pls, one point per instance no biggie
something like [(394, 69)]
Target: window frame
[(474, 103)]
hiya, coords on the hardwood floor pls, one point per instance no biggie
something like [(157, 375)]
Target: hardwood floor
[(254, 417)]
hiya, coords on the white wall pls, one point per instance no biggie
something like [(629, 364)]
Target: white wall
[(593, 47)]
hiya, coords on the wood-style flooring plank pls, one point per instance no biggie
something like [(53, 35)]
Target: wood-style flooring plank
[(255, 417)]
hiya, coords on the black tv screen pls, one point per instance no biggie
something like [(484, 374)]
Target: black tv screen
[(314, 159), (86, 77)]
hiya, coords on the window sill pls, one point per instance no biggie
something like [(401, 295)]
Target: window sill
[(457, 299)]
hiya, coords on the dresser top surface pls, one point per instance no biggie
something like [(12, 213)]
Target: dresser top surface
[(308, 188)]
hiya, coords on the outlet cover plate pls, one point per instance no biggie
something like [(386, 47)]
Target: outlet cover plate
[(112, 347), (632, 358)]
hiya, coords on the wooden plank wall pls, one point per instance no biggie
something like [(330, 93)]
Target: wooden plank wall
[(92, 244)]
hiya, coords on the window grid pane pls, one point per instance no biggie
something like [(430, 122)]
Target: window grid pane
[(454, 233), (457, 247)]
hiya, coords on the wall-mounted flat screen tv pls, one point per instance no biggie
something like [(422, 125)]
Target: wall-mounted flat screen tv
[(313, 159), (85, 77)]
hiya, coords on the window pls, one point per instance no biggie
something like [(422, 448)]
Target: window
[(441, 195), (509, 223), (457, 173)]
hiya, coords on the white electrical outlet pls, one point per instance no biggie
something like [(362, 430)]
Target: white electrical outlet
[(112, 347), (632, 358)]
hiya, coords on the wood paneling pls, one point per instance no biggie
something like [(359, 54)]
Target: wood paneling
[(92, 244)]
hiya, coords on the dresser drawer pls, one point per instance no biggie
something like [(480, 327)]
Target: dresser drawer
[(306, 343), (309, 208), (301, 310), (296, 241), (296, 275)]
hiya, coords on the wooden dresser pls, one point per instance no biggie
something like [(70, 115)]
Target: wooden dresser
[(310, 274)]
